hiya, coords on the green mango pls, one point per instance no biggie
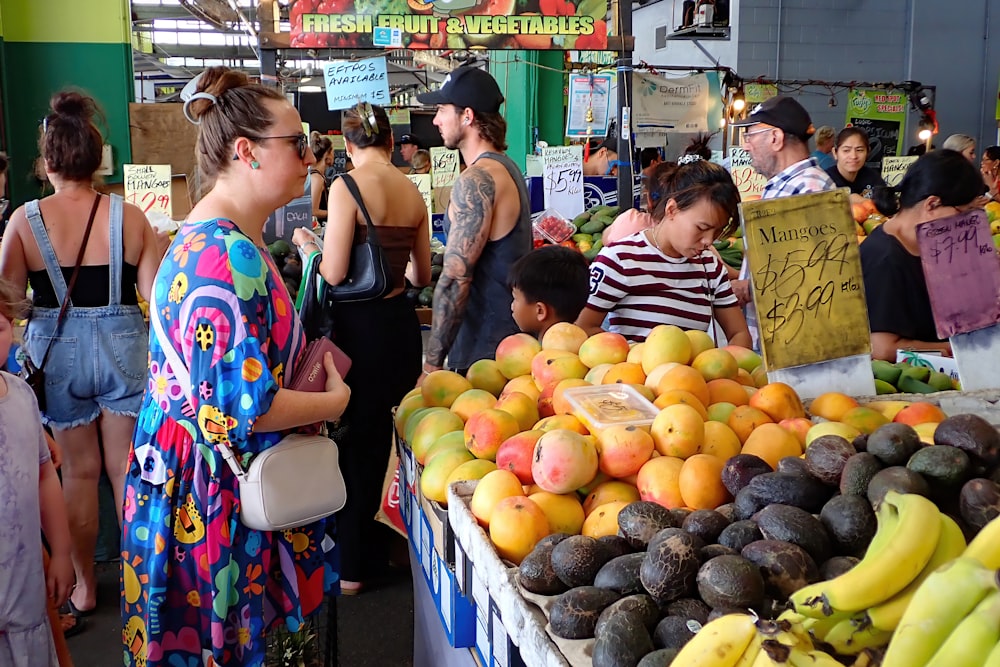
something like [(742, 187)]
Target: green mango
[(592, 226), (580, 219), (920, 373), (940, 381), (910, 385), (885, 371), (578, 238), (883, 387)]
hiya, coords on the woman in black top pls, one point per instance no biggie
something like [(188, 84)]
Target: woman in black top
[(317, 186), (850, 171), (938, 185)]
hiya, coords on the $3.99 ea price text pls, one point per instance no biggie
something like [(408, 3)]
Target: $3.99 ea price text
[(793, 287)]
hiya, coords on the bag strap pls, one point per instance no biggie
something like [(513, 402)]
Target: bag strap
[(180, 370), (72, 280), (352, 187)]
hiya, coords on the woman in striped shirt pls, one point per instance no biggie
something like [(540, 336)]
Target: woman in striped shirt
[(667, 274)]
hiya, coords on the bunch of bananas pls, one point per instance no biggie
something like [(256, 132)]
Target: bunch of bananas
[(861, 608), (741, 640)]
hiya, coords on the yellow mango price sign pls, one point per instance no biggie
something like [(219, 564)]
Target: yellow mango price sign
[(805, 268)]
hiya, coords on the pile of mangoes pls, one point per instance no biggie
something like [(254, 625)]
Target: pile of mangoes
[(904, 378), (590, 225)]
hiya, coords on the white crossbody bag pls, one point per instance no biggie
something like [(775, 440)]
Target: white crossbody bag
[(291, 484)]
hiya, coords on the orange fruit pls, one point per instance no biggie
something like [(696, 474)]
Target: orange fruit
[(700, 482)]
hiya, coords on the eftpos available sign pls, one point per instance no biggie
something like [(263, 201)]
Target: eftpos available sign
[(449, 24), (351, 81)]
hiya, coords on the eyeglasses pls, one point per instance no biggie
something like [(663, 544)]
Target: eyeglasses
[(614, 164), (301, 140), (747, 135)]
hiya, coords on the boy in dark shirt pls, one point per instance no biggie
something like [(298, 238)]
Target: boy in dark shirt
[(548, 285)]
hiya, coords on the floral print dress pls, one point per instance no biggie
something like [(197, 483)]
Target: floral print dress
[(198, 587)]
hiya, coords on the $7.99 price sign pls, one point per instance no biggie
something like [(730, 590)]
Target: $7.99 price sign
[(805, 269), (148, 187), (562, 178)]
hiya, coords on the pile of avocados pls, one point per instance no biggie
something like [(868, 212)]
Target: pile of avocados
[(904, 378), (643, 593), (423, 297)]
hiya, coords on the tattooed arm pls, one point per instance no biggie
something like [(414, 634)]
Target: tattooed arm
[(471, 214)]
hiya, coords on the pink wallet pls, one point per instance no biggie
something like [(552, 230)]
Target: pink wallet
[(311, 373)]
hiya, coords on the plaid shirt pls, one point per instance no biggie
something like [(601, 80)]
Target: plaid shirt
[(798, 179)]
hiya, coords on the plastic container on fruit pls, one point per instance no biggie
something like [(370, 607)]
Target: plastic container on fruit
[(553, 226), (603, 405)]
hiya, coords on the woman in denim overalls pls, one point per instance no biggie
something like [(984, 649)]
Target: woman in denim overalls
[(96, 369)]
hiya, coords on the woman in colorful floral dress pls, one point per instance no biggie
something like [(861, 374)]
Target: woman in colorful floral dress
[(198, 587)]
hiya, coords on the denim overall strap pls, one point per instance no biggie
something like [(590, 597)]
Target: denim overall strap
[(48, 254), (116, 252)]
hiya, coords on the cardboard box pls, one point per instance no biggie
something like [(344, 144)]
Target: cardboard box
[(930, 360), (443, 540), (504, 652), (455, 610)]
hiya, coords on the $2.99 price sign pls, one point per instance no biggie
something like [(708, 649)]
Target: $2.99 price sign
[(562, 178), (148, 187), (962, 272), (806, 274)]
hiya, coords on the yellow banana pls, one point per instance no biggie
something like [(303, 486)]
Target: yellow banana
[(719, 643), (950, 545), (812, 658), (889, 409), (971, 642), (993, 659), (784, 632), (771, 653), (888, 570), (985, 546), (819, 627), (853, 635), (750, 652), (939, 605)]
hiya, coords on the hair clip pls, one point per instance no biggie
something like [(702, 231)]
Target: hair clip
[(45, 124), (689, 158), (367, 114), (189, 94)]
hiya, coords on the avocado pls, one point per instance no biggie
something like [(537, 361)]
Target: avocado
[(860, 442), (615, 545), (691, 609), (802, 491), (748, 502), (795, 525), (577, 560), (710, 551), (674, 632), (851, 523), (679, 514), (882, 388), (574, 614), (739, 534), (671, 564), (727, 510), (883, 370), (894, 444), (662, 657), (436, 271), (857, 474), (826, 457), (730, 581), (622, 642), (836, 566), (639, 521), (973, 434), (536, 574), (941, 465), (621, 574), (641, 607), (437, 259), (426, 296), (785, 567), (980, 502), (553, 539), (896, 478), (706, 524), (740, 469), (793, 465)]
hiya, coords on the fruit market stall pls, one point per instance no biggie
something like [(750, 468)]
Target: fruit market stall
[(668, 483)]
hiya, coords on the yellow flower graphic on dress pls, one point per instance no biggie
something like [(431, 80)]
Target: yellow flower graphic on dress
[(193, 242)]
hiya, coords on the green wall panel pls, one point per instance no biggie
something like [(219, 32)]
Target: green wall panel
[(91, 21), (31, 72)]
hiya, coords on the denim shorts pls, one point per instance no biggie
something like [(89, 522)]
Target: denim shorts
[(97, 362)]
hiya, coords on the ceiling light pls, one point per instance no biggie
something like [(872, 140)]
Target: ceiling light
[(310, 89)]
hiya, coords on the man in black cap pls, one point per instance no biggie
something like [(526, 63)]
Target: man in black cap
[(487, 223), (602, 158), (408, 145), (777, 138)]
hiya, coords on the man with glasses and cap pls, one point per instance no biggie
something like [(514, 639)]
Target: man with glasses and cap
[(487, 223), (776, 135)]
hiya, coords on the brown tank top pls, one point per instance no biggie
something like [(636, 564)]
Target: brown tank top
[(397, 243)]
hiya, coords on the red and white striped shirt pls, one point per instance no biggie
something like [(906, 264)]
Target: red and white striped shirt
[(640, 287)]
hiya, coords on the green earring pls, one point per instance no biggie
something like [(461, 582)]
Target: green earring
[(254, 164)]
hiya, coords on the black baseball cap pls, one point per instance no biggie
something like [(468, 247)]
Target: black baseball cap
[(784, 113), (469, 87), (410, 139)]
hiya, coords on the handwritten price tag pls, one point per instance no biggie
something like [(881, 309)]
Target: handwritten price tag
[(894, 168), (806, 271), (444, 167), (148, 187), (423, 183), (748, 181), (562, 178), (962, 272)]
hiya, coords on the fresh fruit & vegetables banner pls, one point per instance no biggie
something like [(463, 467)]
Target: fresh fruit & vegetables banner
[(452, 24)]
